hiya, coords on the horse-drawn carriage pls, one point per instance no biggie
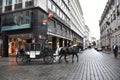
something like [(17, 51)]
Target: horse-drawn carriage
[(34, 51)]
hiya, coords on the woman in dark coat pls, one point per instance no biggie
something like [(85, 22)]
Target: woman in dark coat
[(115, 50)]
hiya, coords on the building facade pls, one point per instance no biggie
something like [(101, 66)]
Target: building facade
[(87, 37), (110, 24), (59, 21)]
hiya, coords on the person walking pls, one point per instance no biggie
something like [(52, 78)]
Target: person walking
[(46, 43), (115, 50)]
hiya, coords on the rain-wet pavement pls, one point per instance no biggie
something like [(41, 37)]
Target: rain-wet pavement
[(92, 65)]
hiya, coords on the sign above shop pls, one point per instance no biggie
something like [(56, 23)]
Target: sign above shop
[(23, 26), (16, 20)]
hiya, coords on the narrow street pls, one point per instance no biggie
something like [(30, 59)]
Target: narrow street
[(92, 65)]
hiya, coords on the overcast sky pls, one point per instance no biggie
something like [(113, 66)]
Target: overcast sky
[(92, 10)]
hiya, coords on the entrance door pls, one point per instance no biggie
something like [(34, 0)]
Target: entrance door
[(16, 41)]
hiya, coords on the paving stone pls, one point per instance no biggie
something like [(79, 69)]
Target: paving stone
[(92, 65)]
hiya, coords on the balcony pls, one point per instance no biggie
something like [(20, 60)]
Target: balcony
[(8, 8), (18, 6), (29, 4)]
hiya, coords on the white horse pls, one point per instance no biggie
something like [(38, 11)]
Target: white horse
[(56, 54)]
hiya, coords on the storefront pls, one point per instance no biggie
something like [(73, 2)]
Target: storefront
[(20, 27), (16, 41)]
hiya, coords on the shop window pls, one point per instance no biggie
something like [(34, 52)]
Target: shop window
[(11, 47), (10, 21), (1, 3)]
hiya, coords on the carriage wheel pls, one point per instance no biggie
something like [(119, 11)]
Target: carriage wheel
[(21, 58), (48, 59)]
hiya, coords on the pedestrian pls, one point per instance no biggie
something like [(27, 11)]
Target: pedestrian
[(115, 50), (46, 43), (68, 44), (33, 40)]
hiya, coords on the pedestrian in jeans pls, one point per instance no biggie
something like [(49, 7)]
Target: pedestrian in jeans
[(115, 50)]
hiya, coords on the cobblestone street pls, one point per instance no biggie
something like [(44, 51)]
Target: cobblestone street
[(92, 65)]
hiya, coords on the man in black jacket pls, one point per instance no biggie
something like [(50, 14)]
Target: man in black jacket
[(115, 50)]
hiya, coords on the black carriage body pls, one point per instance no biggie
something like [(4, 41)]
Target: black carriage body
[(34, 48), (35, 51)]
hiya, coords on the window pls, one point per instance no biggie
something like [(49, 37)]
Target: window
[(1, 2), (61, 28), (57, 11), (27, 13), (27, 21), (8, 2), (118, 27), (18, 1), (49, 5), (118, 13), (111, 18), (53, 8), (55, 28), (60, 2), (28, 0), (66, 1), (63, 17), (114, 16), (66, 31), (61, 14), (55, 1), (62, 6)]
